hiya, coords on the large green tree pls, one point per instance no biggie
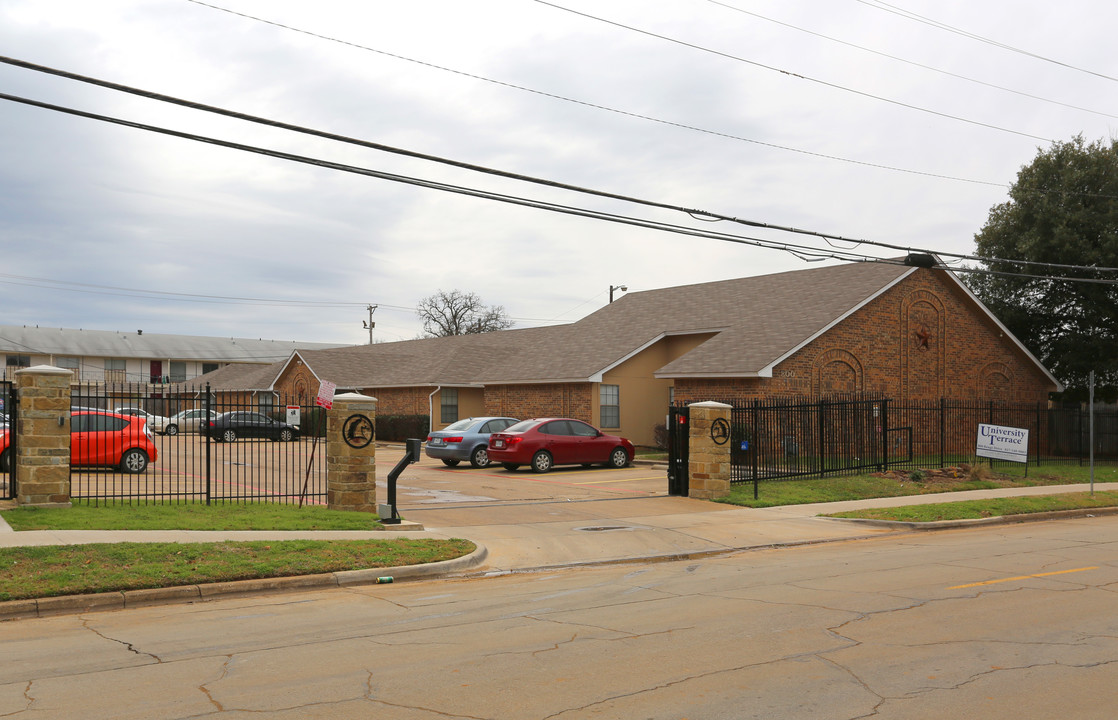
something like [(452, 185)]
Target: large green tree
[(1063, 210)]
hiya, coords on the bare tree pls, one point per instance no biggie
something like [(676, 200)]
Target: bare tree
[(459, 313)]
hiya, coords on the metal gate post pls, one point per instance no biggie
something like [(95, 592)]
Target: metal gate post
[(679, 433)]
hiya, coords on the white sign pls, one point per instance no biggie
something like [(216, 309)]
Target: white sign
[(325, 394), (292, 414), (1003, 443)]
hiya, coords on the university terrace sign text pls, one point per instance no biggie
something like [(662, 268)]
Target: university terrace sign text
[(1003, 443)]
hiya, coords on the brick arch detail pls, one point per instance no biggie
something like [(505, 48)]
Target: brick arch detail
[(994, 382), (923, 349), (837, 361)]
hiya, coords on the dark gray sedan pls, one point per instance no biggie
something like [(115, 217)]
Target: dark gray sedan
[(230, 426), (466, 440)]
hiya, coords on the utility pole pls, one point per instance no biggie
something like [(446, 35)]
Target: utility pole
[(369, 324)]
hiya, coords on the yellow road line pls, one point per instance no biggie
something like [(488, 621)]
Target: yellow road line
[(1022, 577)]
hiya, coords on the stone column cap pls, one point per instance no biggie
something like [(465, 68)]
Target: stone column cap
[(353, 396), (710, 404), (43, 370)]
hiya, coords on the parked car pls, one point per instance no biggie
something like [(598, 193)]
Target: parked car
[(101, 438), (229, 426), (185, 421), (546, 442), (466, 440), (155, 422)]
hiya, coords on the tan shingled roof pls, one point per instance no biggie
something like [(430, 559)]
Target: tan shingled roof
[(757, 321)]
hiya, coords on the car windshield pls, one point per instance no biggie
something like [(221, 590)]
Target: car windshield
[(522, 426)]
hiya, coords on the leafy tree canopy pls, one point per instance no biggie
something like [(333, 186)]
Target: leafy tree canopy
[(1063, 209), (459, 313)]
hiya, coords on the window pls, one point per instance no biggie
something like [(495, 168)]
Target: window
[(19, 361), (496, 425), (114, 369), (69, 363), (448, 401), (209, 367), (556, 427), (610, 400), (265, 402), (178, 371), (581, 429)]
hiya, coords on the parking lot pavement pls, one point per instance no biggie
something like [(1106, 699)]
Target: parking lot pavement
[(430, 482)]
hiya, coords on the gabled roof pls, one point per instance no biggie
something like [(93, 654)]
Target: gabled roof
[(754, 323), (25, 340)]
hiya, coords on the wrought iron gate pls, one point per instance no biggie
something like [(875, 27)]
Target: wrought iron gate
[(9, 411), (679, 437)]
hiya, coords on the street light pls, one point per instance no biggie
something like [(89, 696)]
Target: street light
[(622, 288)]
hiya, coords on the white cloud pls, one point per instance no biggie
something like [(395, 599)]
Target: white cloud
[(86, 203)]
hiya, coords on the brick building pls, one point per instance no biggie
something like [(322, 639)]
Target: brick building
[(905, 332)]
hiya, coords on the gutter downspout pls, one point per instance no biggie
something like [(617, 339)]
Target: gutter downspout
[(431, 409)]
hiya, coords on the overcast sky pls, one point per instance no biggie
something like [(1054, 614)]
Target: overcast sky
[(848, 117)]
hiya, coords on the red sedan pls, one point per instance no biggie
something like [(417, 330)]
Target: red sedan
[(100, 439), (546, 442)]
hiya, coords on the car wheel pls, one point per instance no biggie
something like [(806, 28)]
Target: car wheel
[(171, 430), (286, 435), (5, 461), (449, 462), (228, 436), (541, 462), (134, 461), (511, 467), (618, 458), (479, 458)]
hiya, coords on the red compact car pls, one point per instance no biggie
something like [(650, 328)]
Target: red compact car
[(546, 442), (102, 439)]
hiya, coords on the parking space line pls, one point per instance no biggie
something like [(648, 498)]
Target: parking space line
[(603, 482), (1022, 577)]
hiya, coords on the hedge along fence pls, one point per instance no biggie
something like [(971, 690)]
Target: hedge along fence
[(397, 428)]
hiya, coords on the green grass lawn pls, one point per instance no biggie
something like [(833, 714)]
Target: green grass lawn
[(30, 572), (859, 487), (994, 507), (189, 516)]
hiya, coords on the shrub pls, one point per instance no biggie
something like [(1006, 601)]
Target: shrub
[(979, 472), (397, 428)]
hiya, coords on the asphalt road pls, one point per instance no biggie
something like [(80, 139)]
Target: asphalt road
[(1010, 621)]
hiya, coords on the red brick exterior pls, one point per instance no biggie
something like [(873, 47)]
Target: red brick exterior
[(924, 338), (546, 400)]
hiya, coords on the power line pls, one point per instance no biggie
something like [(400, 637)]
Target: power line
[(789, 73), (804, 252), (696, 213), (886, 7), (605, 108), (911, 62)]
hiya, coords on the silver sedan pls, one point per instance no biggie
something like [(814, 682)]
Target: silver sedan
[(466, 440)]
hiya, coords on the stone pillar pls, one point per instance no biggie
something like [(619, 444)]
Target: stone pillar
[(709, 451), (43, 437), (351, 459)]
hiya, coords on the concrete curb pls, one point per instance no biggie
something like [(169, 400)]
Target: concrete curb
[(126, 599), (975, 522)]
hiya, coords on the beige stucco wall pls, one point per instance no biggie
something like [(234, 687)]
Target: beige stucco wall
[(643, 398)]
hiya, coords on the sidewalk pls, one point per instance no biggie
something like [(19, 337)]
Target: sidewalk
[(529, 536)]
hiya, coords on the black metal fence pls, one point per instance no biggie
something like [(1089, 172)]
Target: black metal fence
[(201, 447), (9, 414), (775, 439)]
